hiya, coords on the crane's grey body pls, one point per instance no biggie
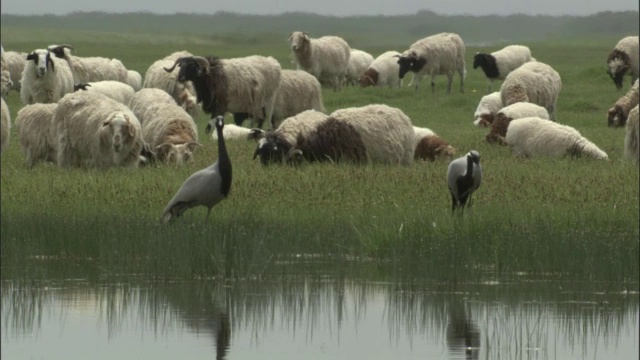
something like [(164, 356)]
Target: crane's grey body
[(464, 176), (205, 187)]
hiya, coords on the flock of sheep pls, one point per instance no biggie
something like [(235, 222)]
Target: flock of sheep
[(94, 112)]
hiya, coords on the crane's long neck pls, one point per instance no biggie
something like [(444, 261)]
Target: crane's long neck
[(224, 163), (469, 173)]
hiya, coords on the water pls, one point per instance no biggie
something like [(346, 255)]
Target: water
[(319, 316)]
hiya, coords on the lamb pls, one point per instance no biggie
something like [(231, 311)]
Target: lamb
[(429, 146), (384, 70), (359, 61), (90, 69), (234, 132), (440, 54), (96, 131), (170, 132), (533, 82), (509, 113), (116, 90), (233, 85), (487, 108), (498, 64), (623, 60), (632, 137), (326, 57), (134, 79), (5, 129), (16, 61), (141, 100), (36, 133), (374, 133), (533, 136), (45, 78), (617, 115)]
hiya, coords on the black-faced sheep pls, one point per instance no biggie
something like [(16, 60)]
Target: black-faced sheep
[(45, 78), (326, 57), (623, 60), (384, 70), (429, 146), (96, 131), (116, 90), (236, 85), (359, 61), (5, 128), (617, 115), (36, 133), (509, 113), (532, 137), (632, 137), (90, 69), (440, 54), (487, 108), (498, 64), (234, 132), (533, 82)]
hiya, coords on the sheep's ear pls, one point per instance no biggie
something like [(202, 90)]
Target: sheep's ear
[(106, 122), (256, 134), (191, 145), (32, 56), (163, 148), (306, 35), (49, 61)]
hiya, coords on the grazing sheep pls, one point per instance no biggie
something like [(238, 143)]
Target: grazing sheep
[(5, 75), (36, 133), (5, 129), (429, 146), (440, 54), (464, 176), (384, 70), (509, 113), (533, 82), (533, 136), (134, 79), (116, 90), (632, 137), (326, 57), (498, 64), (170, 132), (45, 78), (234, 132), (90, 69), (16, 61), (236, 85), (487, 109), (617, 115), (359, 61), (623, 60), (141, 100), (96, 131)]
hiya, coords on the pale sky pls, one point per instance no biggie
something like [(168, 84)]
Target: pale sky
[(323, 7)]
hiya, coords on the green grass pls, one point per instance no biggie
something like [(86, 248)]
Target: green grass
[(562, 218)]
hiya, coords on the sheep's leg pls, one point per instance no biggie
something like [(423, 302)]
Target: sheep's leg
[(268, 116), (433, 84), (450, 82), (463, 75)]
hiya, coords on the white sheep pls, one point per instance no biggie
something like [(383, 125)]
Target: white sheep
[(36, 133), (134, 79), (326, 57), (183, 93), (440, 54), (623, 60), (384, 70), (5, 128), (507, 114), (233, 132), (359, 61), (533, 82), (5, 78), (632, 136), (429, 146), (533, 136), (617, 114), (498, 64), (96, 131), (45, 78), (90, 69), (116, 90), (170, 131), (487, 109), (16, 61), (141, 100)]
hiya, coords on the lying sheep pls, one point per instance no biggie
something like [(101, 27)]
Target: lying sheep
[(533, 82), (509, 113), (45, 78), (498, 64), (90, 69), (134, 79), (234, 132), (36, 133), (116, 90), (96, 131), (632, 137), (5, 128), (617, 115), (237, 85), (429, 146), (359, 61), (440, 54), (532, 136), (16, 61), (141, 100), (183, 93), (487, 108), (623, 60), (326, 57), (384, 70)]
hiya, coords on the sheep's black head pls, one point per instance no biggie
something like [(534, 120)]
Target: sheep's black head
[(58, 50), (618, 66), (410, 62), (480, 60), (81, 86), (42, 60), (191, 68), (271, 149)]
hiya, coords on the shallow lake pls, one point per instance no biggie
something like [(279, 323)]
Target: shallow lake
[(321, 315)]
